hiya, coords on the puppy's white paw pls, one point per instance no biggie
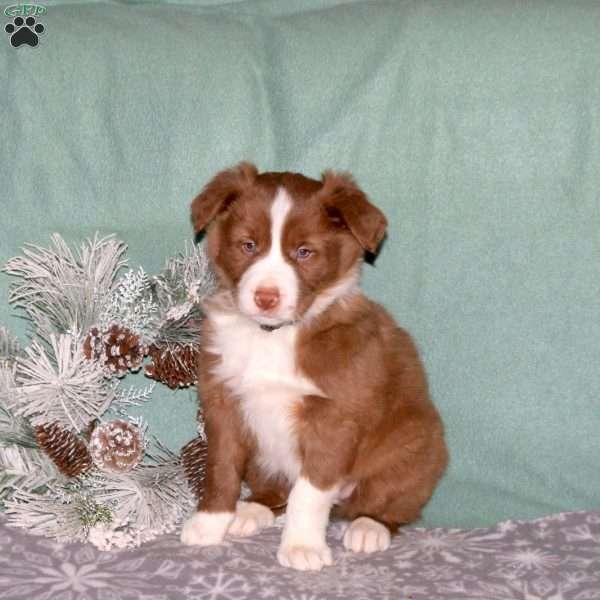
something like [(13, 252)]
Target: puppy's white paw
[(249, 518), (304, 558), (367, 535), (206, 529)]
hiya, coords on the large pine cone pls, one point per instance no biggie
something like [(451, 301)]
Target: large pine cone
[(175, 365), (65, 448), (193, 460), (119, 349)]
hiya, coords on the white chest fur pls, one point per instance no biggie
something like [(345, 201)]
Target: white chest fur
[(259, 367)]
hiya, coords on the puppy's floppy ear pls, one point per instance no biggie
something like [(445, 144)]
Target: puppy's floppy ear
[(347, 205), (220, 192)]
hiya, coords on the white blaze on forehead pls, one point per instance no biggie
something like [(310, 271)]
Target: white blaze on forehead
[(272, 271), (279, 212)]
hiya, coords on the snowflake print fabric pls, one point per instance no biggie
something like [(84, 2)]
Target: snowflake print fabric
[(555, 558)]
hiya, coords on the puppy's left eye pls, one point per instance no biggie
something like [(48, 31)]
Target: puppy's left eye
[(303, 253), (249, 247)]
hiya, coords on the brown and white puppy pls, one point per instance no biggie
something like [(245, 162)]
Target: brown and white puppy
[(311, 393)]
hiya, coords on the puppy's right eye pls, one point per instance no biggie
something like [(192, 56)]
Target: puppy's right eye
[(249, 247)]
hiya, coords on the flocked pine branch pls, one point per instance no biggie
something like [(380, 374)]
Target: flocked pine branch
[(47, 514), (9, 352), (62, 291), (183, 330), (15, 430), (186, 279), (22, 464), (60, 385), (9, 348), (8, 385), (132, 305), (132, 396), (150, 499), (26, 470)]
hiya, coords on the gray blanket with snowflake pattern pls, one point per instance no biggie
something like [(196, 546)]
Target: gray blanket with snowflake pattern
[(554, 558)]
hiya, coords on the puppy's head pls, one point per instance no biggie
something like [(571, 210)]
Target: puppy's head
[(286, 245)]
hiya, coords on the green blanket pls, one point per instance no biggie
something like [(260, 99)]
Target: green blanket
[(475, 126)]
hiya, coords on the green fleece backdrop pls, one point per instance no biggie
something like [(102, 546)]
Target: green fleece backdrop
[(474, 125)]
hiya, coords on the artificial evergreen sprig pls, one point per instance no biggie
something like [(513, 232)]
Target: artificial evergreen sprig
[(65, 511), (186, 278), (15, 431), (125, 398), (25, 470), (60, 385), (179, 288), (151, 499), (9, 349), (62, 291), (132, 306)]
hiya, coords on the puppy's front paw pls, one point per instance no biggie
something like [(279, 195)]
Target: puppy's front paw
[(206, 529), (250, 517), (366, 535), (304, 558)]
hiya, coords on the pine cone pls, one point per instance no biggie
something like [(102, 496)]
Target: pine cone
[(117, 446), (67, 451), (193, 460), (119, 349), (175, 365)]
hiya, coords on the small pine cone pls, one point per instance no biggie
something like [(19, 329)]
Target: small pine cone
[(117, 446), (66, 449), (119, 349), (175, 365), (193, 461), (122, 350)]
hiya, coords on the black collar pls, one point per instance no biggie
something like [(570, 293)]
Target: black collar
[(270, 328)]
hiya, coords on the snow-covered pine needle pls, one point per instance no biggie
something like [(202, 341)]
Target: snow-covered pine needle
[(148, 500), (186, 277), (25, 470), (61, 386), (132, 305), (47, 515), (180, 287), (8, 385), (181, 331), (62, 291), (15, 431), (9, 348), (9, 352), (132, 396)]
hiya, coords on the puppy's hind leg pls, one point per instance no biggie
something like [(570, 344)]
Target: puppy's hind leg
[(367, 535), (250, 517), (375, 518)]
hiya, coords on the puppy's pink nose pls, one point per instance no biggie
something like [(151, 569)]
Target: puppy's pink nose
[(266, 298)]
